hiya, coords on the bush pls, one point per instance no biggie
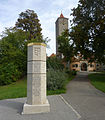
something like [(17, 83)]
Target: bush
[(8, 73), (54, 63), (69, 72), (73, 72), (56, 79)]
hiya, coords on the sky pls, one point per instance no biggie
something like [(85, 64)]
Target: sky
[(47, 10)]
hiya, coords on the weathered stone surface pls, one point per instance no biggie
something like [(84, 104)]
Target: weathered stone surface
[(32, 109), (36, 89), (61, 26), (36, 52), (36, 67), (36, 80)]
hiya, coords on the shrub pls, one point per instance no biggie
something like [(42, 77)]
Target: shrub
[(69, 72), (54, 63), (73, 72), (8, 73), (56, 79)]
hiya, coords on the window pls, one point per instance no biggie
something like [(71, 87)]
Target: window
[(91, 65), (97, 65), (76, 65), (73, 65)]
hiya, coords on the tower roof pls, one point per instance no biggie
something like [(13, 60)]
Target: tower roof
[(61, 16)]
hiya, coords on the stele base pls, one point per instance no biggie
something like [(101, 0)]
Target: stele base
[(33, 109)]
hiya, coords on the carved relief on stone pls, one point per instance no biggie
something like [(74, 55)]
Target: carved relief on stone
[(36, 91), (37, 51), (39, 67), (36, 85)]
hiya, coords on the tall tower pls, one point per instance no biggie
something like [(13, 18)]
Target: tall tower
[(61, 26)]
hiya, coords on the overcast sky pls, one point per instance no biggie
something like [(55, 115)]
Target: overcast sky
[(47, 10)]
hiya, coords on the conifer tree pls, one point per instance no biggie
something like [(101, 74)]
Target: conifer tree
[(28, 21)]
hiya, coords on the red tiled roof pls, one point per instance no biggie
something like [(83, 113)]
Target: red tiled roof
[(52, 55), (61, 16)]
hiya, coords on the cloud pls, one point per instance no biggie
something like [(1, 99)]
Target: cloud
[(1, 27), (59, 3), (48, 11)]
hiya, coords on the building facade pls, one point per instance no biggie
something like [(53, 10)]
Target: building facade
[(80, 64)]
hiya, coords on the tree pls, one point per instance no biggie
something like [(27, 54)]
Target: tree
[(28, 21), (66, 47), (13, 48), (54, 63), (13, 56), (88, 28)]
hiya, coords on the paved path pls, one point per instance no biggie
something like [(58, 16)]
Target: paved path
[(11, 109), (85, 99)]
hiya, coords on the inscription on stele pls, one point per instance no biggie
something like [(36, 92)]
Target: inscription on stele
[(37, 51), (35, 88)]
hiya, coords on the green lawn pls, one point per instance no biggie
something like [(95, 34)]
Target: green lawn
[(19, 89), (14, 90), (98, 80)]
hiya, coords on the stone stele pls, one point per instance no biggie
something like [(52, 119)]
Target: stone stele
[(36, 80)]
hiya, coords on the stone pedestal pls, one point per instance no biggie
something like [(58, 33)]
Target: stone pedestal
[(36, 80)]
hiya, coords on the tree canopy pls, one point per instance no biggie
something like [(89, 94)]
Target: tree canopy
[(66, 46), (13, 46), (28, 21), (88, 28)]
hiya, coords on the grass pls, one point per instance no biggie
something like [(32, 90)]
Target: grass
[(19, 89), (98, 81), (15, 90)]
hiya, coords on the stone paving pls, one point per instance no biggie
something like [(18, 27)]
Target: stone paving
[(85, 99), (11, 109)]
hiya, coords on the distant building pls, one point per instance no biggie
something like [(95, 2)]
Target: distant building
[(52, 55), (61, 25), (78, 63)]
